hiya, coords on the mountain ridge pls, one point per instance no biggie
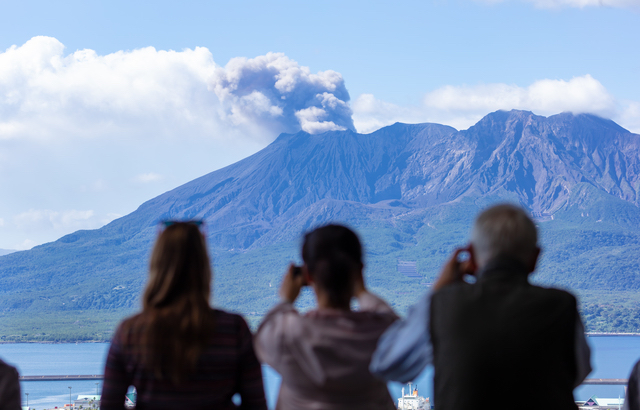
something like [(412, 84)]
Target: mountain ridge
[(369, 182), (412, 191)]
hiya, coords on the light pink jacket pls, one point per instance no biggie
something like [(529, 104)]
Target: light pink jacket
[(323, 356)]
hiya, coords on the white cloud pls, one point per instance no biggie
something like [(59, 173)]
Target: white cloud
[(61, 223), (580, 94), (46, 94), (148, 177), (76, 126), (463, 106), (67, 220), (629, 117), (1, 222), (370, 114)]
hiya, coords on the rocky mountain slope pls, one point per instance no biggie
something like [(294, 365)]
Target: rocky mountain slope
[(411, 190), (536, 158)]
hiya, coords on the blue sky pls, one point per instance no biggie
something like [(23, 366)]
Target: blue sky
[(99, 115), (383, 48)]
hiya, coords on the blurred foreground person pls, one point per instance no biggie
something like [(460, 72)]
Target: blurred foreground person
[(632, 395), (501, 337), (323, 356), (179, 353), (9, 387)]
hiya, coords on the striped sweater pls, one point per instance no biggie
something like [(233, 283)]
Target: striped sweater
[(227, 366)]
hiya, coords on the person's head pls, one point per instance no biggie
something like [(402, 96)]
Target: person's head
[(176, 317), (179, 272), (505, 230), (332, 255)]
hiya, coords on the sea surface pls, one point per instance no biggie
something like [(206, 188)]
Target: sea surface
[(613, 357)]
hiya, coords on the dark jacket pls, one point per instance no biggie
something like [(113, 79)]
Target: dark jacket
[(503, 343), (632, 397), (9, 388)]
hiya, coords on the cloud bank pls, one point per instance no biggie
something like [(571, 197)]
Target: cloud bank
[(44, 93), (463, 106), (81, 130)]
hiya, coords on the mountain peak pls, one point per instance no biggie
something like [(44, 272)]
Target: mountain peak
[(588, 120), (504, 115)]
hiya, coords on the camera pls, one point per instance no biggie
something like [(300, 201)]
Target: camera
[(297, 271)]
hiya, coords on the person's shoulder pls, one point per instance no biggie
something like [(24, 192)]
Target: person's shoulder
[(8, 373), (6, 368), (373, 317), (129, 329), (131, 320), (228, 319), (224, 315), (452, 289), (556, 295), (378, 320), (554, 292)]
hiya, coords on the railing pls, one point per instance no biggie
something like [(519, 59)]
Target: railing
[(621, 382), (62, 377)]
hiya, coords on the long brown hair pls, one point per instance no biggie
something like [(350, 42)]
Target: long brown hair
[(176, 318)]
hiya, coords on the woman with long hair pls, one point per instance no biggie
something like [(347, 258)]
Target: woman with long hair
[(179, 352), (323, 356)]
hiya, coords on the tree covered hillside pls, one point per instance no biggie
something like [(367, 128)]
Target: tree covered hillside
[(411, 191)]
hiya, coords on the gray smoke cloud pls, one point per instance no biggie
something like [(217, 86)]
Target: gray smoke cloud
[(276, 92)]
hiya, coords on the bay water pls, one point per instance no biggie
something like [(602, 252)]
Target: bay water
[(612, 357)]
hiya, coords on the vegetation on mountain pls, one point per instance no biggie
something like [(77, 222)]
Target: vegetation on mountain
[(411, 191)]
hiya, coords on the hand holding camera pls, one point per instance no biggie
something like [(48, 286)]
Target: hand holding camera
[(292, 282), (456, 267)]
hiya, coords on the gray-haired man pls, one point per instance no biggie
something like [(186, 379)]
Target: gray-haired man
[(499, 342)]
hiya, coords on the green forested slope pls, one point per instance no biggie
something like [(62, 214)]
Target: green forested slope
[(411, 191)]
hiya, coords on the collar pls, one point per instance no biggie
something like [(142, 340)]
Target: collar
[(504, 268)]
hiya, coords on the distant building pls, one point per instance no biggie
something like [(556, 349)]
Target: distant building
[(409, 269), (87, 401), (413, 401), (600, 403)]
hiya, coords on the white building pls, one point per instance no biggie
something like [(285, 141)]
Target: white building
[(413, 401), (87, 401), (600, 402)]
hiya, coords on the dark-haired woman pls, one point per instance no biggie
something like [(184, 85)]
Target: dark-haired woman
[(179, 353), (323, 356)]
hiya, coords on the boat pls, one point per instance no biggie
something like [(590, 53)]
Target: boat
[(413, 401)]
